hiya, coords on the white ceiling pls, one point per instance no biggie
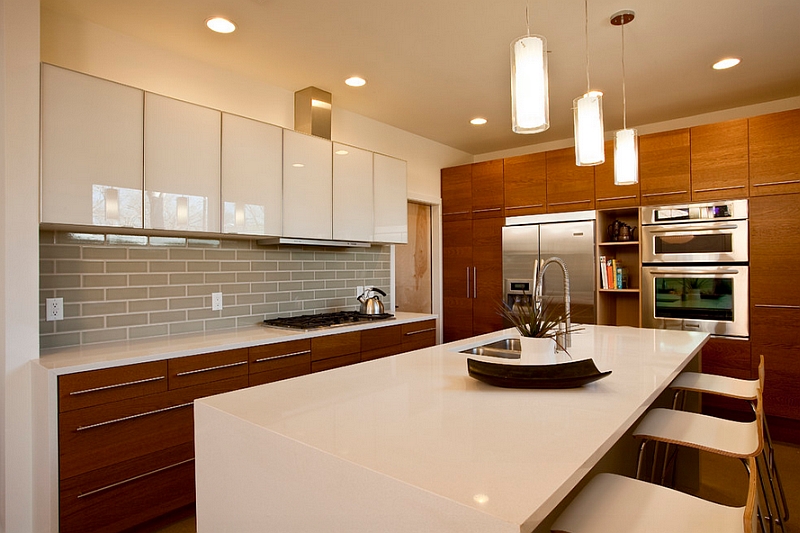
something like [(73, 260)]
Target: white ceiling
[(432, 65)]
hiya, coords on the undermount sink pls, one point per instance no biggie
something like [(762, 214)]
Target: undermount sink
[(507, 348)]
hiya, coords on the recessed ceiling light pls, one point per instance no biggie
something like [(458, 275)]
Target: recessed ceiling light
[(478, 121), (298, 165), (342, 152), (355, 81), (728, 62), (220, 25)]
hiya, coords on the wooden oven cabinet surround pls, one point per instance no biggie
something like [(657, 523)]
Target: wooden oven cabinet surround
[(126, 434)]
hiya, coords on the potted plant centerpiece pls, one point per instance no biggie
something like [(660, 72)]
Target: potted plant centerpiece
[(538, 327)]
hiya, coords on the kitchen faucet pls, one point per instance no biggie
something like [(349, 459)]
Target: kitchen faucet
[(538, 294)]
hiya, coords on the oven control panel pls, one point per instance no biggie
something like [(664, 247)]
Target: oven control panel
[(725, 210)]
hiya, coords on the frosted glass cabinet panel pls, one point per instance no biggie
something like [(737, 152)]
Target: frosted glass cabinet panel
[(352, 194), (181, 165), (252, 162), (91, 150), (307, 186), (391, 199)]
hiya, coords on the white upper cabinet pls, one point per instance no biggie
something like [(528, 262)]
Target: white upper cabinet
[(391, 199), (352, 194), (181, 165), (307, 186), (91, 150), (252, 163)]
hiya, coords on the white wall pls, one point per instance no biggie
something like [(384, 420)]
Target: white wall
[(86, 47), (19, 255)]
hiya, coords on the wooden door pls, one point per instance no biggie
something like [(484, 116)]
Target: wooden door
[(457, 192), (608, 195), (665, 168), (487, 189), (775, 250), (487, 259), (775, 153), (569, 187), (457, 279), (525, 184), (719, 161)]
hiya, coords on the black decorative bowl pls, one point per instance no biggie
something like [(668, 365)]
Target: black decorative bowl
[(557, 376)]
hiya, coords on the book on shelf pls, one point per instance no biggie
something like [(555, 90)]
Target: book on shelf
[(603, 273)]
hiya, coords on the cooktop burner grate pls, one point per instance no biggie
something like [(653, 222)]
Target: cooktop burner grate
[(325, 320)]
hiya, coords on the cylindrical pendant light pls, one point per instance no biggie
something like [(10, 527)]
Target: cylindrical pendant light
[(530, 97), (626, 149), (588, 116)]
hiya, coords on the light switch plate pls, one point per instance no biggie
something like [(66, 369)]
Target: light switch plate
[(54, 309), (216, 301)]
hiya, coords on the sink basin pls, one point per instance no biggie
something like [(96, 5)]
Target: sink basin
[(507, 348)]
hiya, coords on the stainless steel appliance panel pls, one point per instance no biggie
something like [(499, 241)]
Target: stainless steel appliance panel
[(702, 242), (696, 298)]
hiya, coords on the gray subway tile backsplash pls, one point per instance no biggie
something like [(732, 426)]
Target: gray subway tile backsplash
[(118, 287)]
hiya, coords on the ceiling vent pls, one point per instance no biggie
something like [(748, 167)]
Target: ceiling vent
[(312, 112)]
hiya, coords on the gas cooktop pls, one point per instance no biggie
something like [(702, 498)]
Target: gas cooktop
[(325, 320)]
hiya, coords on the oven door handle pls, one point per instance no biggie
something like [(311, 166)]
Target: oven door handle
[(676, 229), (690, 272)]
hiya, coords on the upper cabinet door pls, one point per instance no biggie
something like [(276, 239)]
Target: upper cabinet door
[(664, 168), (719, 161), (252, 166), (353, 199), (487, 189), (457, 192), (775, 153), (608, 195), (91, 150), (391, 200), (525, 184), (307, 186), (181, 165), (569, 187)]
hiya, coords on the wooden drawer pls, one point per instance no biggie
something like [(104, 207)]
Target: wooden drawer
[(335, 345), (774, 333), (128, 493), (386, 351), (205, 368), (417, 335), (274, 362), (383, 337), (100, 436), (727, 357), (335, 362), (85, 389)]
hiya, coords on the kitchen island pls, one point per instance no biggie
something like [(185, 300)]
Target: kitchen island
[(413, 443)]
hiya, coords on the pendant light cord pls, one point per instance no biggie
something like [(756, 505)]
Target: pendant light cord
[(527, 18), (586, 30), (624, 99)]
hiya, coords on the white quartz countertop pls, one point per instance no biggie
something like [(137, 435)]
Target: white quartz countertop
[(110, 354), (419, 427)]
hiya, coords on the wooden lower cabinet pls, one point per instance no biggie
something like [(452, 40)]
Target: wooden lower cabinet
[(774, 332), (282, 360), (333, 351), (381, 342), (727, 357), (418, 335)]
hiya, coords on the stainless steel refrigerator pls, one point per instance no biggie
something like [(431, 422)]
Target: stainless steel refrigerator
[(530, 240)]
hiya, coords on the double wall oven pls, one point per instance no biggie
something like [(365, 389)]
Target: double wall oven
[(695, 267)]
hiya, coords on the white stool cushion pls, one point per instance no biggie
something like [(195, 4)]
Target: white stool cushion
[(744, 389), (616, 504)]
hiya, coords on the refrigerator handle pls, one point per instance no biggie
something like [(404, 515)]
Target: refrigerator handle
[(467, 282), (474, 282)]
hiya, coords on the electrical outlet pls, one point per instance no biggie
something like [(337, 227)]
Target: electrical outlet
[(54, 309), (216, 301)]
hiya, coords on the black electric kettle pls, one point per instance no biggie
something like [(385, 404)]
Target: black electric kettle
[(371, 304)]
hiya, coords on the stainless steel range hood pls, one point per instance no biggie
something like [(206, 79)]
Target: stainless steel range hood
[(314, 242)]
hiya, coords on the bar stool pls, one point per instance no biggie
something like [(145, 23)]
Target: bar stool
[(611, 503), (742, 440), (739, 389)]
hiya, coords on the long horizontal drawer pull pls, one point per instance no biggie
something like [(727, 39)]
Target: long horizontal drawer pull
[(116, 385), (712, 189), (787, 182), (134, 478), (572, 202), (420, 331), (693, 272), (132, 417), (664, 193), (456, 213), (487, 209), (210, 368), (272, 357), (778, 306), (616, 198), (694, 228), (523, 206)]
